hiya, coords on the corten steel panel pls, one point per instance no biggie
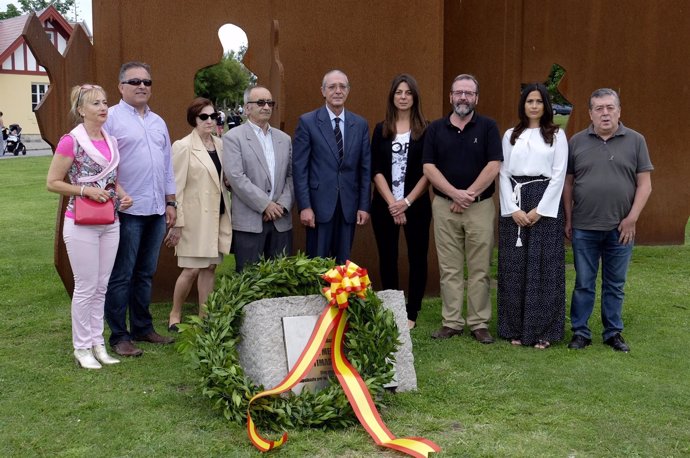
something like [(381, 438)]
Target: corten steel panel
[(375, 45), (371, 42), (640, 51), (637, 47)]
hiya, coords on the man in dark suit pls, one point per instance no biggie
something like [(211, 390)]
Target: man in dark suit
[(256, 161), (332, 171)]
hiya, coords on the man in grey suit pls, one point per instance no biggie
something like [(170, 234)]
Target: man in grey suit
[(332, 171), (257, 163)]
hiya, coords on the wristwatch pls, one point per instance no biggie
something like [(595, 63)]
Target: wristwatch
[(172, 204)]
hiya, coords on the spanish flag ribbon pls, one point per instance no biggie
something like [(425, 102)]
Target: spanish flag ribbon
[(344, 280)]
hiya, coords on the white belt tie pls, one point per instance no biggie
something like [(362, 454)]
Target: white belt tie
[(517, 198)]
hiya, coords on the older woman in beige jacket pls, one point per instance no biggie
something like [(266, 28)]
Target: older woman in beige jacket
[(202, 232)]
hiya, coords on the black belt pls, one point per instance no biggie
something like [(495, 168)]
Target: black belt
[(476, 199)]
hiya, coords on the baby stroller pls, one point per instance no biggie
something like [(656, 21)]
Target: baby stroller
[(13, 140)]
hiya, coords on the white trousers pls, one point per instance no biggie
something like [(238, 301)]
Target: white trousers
[(91, 251)]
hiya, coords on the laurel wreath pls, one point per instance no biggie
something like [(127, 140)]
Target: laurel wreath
[(211, 345)]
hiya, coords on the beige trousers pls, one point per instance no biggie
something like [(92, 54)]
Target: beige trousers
[(460, 237)]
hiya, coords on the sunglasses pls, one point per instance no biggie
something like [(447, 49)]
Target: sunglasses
[(262, 102), (137, 82), (204, 116), (86, 87)]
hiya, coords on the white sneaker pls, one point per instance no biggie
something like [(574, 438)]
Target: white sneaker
[(102, 355), (85, 359)]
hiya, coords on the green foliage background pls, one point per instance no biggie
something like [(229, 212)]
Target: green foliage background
[(63, 6), (557, 72), (225, 82)]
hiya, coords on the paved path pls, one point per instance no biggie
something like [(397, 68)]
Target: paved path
[(34, 147), (29, 153)]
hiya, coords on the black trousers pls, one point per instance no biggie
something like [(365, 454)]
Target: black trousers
[(387, 235), (249, 247)]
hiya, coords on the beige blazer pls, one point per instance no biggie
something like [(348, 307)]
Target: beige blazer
[(205, 232)]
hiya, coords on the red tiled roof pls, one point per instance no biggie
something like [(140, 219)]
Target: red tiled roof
[(10, 30)]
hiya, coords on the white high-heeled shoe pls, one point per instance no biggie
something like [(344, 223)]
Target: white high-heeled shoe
[(102, 355), (85, 359)]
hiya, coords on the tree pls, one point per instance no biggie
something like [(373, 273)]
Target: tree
[(11, 11), (557, 73), (63, 7), (223, 83)]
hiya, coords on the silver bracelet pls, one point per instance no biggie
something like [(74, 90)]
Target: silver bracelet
[(81, 193), (407, 201)]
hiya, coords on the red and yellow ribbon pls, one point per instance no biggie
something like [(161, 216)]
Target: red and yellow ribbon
[(344, 280)]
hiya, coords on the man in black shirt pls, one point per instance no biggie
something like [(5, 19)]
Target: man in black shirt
[(462, 157)]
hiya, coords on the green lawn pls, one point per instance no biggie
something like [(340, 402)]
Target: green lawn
[(473, 400), (561, 120)]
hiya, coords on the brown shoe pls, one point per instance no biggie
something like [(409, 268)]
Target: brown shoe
[(154, 337), (444, 332), (482, 336), (127, 348)]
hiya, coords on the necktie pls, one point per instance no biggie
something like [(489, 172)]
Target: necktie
[(339, 139)]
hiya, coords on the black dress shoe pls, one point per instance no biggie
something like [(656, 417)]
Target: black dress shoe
[(617, 343), (127, 348), (579, 342), (444, 332), (482, 336)]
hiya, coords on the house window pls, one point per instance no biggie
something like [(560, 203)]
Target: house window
[(38, 90)]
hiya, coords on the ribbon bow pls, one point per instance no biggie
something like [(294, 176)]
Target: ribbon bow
[(344, 280)]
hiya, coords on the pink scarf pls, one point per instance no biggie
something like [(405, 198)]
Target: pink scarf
[(82, 139)]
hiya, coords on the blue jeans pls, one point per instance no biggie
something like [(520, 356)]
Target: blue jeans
[(588, 248), (130, 281)]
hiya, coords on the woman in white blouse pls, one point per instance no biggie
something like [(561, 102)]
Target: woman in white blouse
[(531, 254)]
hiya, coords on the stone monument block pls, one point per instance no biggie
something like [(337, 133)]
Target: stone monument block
[(262, 351)]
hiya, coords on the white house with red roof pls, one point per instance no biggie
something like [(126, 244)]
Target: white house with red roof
[(23, 82)]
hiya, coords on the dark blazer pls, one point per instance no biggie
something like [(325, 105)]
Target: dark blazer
[(246, 169), (319, 177), (382, 157)]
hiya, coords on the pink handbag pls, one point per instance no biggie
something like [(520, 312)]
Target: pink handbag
[(90, 212)]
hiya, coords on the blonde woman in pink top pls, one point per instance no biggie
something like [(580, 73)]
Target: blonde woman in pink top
[(85, 165)]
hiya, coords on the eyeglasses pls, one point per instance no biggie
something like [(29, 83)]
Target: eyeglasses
[(137, 82), (204, 116), (262, 102), (342, 87), (465, 93)]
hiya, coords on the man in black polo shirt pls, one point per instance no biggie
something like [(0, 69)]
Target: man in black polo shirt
[(462, 156)]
